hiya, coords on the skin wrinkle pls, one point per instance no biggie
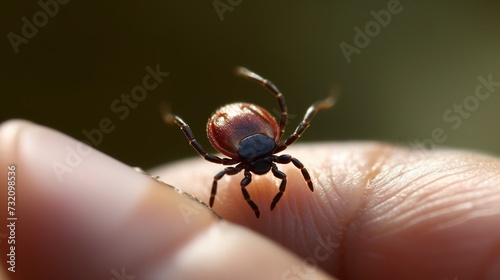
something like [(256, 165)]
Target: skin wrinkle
[(491, 178), (407, 218), (308, 224), (400, 191), (407, 192), (444, 188), (427, 205), (426, 213), (416, 217), (295, 180), (375, 172), (467, 193), (379, 154), (294, 235), (443, 201), (331, 198), (377, 163), (429, 218), (415, 222), (459, 217), (325, 179), (327, 196)]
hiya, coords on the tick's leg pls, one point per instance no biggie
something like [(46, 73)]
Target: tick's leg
[(284, 159), (305, 174), (173, 119), (249, 75), (311, 112), (280, 175), (228, 171), (246, 195)]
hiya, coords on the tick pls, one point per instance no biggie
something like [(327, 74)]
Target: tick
[(250, 138)]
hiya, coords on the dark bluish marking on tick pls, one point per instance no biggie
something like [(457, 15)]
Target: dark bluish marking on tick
[(250, 137)]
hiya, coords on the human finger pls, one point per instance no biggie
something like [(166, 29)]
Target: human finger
[(80, 213), (377, 211)]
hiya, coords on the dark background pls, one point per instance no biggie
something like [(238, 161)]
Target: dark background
[(425, 60)]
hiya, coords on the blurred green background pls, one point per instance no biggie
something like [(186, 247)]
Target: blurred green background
[(396, 87)]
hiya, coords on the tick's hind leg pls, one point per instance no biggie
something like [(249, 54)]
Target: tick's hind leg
[(246, 195), (305, 173), (228, 171), (280, 175), (284, 159)]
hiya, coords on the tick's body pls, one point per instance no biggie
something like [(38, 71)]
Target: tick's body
[(250, 137), (243, 131)]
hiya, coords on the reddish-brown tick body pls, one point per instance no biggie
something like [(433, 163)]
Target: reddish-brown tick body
[(235, 124), (250, 137)]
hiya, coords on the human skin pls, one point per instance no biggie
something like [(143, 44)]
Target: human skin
[(378, 212)]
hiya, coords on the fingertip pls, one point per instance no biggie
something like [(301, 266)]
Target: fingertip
[(86, 212)]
